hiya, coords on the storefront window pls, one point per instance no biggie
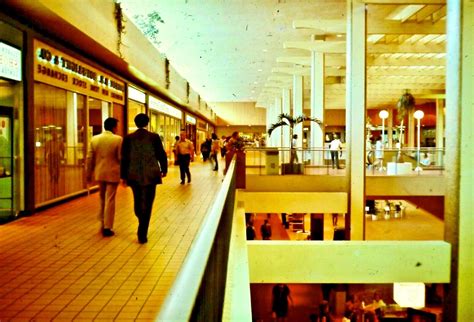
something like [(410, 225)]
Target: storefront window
[(134, 108), (167, 128), (98, 112), (59, 142)]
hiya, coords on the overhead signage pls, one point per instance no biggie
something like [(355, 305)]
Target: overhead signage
[(190, 119), (10, 62), (136, 95), (56, 68), (162, 107)]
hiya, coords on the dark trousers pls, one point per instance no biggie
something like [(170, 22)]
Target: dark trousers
[(335, 159), (183, 160), (143, 203), (214, 159)]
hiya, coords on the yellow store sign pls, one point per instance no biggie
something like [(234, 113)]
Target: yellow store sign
[(58, 69)]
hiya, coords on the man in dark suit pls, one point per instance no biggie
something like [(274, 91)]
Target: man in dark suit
[(143, 164)]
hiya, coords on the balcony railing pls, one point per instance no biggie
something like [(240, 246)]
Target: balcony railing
[(405, 161), (198, 291)]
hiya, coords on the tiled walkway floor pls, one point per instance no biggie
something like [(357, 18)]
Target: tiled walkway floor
[(56, 265)]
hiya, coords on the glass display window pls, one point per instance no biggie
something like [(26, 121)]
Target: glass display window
[(134, 108), (59, 142)]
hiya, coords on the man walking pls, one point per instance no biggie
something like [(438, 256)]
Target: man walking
[(335, 147), (103, 165), (144, 163), (185, 149)]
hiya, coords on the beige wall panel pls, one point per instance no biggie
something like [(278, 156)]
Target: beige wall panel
[(256, 183), (228, 130), (299, 202), (405, 186), (177, 85), (193, 99), (96, 19), (349, 261), (239, 113)]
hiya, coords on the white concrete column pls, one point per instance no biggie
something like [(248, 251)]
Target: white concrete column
[(269, 121), (390, 128), (317, 106), (411, 129), (355, 115), (439, 131), (278, 132), (298, 109), (286, 109), (459, 222)]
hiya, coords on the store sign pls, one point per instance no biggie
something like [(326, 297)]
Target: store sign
[(136, 95), (10, 62), (58, 69), (164, 108), (202, 125), (190, 119)]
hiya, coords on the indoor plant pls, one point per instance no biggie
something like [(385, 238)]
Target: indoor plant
[(291, 122), (405, 106)]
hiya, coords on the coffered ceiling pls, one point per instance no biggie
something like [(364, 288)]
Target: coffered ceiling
[(240, 51)]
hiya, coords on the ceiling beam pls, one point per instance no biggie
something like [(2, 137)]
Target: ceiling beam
[(297, 60), (374, 26), (337, 60), (427, 11), (292, 71), (340, 47), (377, 71), (407, 2)]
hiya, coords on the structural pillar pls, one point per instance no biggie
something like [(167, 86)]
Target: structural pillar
[(317, 107), (355, 117), (390, 129), (278, 131), (439, 131), (298, 108), (286, 109), (459, 160), (269, 122)]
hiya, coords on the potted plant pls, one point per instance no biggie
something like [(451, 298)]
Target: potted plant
[(405, 106), (291, 122)]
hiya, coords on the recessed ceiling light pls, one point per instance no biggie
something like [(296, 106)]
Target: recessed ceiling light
[(264, 50), (260, 70)]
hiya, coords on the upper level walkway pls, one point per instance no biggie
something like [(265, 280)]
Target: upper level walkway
[(56, 265)]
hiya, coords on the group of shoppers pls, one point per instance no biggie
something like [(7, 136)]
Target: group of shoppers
[(138, 160)]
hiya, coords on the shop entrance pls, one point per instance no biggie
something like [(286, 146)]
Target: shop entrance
[(6, 164)]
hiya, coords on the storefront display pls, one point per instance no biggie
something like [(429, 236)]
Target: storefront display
[(11, 122), (136, 105), (71, 102), (166, 121)]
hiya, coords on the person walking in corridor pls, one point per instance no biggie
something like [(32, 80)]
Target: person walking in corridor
[(335, 147), (144, 164), (103, 166), (185, 149), (215, 147)]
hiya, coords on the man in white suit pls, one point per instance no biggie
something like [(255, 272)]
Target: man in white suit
[(103, 166)]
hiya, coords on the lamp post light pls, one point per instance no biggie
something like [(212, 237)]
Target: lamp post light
[(383, 114), (418, 115)]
